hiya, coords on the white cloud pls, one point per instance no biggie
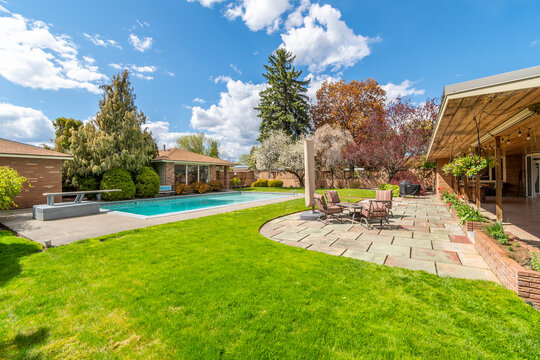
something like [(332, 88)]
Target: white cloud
[(170, 73), (116, 66), (535, 42), (296, 18), (259, 14), (324, 40), (3, 9), (143, 69), (24, 124), (162, 135), (199, 100), (221, 78), (236, 69), (406, 88), (98, 41), (140, 44), (34, 57), (89, 59), (233, 120), (206, 3), (144, 77), (142, 23)]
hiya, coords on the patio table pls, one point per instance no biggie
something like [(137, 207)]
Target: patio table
[(353, 207)]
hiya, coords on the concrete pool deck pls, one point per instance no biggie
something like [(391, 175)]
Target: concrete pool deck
[(66, 231)]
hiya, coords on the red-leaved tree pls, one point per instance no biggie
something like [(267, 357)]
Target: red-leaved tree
[(397, 139)]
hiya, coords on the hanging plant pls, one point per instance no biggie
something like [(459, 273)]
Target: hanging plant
[(470, 165)]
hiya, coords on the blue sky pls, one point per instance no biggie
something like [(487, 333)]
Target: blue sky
[(196, 65)]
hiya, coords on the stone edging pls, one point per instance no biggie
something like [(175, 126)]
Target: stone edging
[(526, 283)]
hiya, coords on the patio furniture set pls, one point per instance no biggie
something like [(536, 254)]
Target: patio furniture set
[(366, 211)]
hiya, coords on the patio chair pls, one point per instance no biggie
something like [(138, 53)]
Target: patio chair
[(375, 210), (385, 195), (331, 211), (333, 197)]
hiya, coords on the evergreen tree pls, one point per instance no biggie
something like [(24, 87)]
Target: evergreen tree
[(115, 138), (283, 104), (63, 126), (199, 143)]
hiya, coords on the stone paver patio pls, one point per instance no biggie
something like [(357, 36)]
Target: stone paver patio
[(422, 236)]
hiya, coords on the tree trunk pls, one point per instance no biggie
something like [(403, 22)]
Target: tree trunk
[(299, 176), (331, 179)]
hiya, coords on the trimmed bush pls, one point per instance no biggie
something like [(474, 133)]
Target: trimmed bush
[(118, 179), (200, 187), (88, 184), (356, 184), (215, 185), (260, 183), (147, 182), (181, 189), (394, 188), (275, 183), (236, 182)]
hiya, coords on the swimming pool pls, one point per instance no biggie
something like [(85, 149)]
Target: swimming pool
[(149, 208)]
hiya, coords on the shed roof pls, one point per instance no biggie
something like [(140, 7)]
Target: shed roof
[(177, 155), (10, 148)]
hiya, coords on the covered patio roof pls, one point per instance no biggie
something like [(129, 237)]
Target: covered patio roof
[(505, 105)]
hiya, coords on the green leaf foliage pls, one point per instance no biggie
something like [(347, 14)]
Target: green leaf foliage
[(118, 179), (11, 185), (496, 230), (283, 104), (275, 183), (394, 188), (260, 183), (115, 138), (63, 131), (199, 143), (87, 184), (147, 182)]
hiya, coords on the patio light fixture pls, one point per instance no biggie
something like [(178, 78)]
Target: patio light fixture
[(508, 141), (528, 134), (519, 133)]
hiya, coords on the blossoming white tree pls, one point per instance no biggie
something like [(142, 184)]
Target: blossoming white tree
[(330, 143)]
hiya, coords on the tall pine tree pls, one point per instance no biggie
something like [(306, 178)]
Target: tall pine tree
[(115, 138), (283, 104)]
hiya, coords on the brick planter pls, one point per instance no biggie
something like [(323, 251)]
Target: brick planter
[(469, 225), (526, 283)]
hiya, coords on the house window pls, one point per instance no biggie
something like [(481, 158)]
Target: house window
[(204, 172), (193, 173), (489, 175), (180, 174)]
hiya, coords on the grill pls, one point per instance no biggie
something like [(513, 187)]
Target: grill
[(408, 188)]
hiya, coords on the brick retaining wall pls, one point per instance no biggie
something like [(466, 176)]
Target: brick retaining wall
[(526, 283)]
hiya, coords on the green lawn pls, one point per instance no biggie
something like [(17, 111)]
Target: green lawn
[(346, 194), (214, 288)]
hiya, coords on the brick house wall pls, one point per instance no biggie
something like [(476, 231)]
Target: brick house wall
[(515, 175), (44, 175), (442, 181)]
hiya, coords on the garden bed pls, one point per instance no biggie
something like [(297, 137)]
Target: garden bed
[(510, 266)]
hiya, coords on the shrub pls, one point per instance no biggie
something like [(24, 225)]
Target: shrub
[(275, 183), (88, 184), (200, 187), (260, 183), (118, 179), (10, 186), (496, 230), (535, 261), (356, 184), (394, 188), (147, 182), (181, 189), (236, 182), (215, 185), (340, 184), (450, 198)]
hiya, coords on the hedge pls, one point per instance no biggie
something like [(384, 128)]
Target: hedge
[(394, 188), (275, 183), (118, 179), (260, 183), (147, 182)]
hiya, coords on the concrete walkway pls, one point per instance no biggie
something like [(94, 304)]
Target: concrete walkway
[(422, 236), (66, 231)]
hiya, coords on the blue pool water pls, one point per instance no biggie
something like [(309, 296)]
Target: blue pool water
[(167, 206)]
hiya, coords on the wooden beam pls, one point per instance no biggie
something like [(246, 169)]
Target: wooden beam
[(477, 196), (466, 188), (498, 179)]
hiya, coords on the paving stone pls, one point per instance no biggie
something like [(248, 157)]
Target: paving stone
[(460, 239), (387, 249), (400, 233), (411, 264), (365, 256), (421, 222), (314, 224), (292, 236), (342, 227), (420, 243), (319, 240), (345, 234), (295, 243), (293, 222), (352, 244), (465, 272), (269, 232), (431, 236), (435, 255), (376, 238), (327, 250), (364, 230), (290, 228), (415, 228), (443, 231), (273, 225), (473, 260), (316, 231), (450, 246)]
